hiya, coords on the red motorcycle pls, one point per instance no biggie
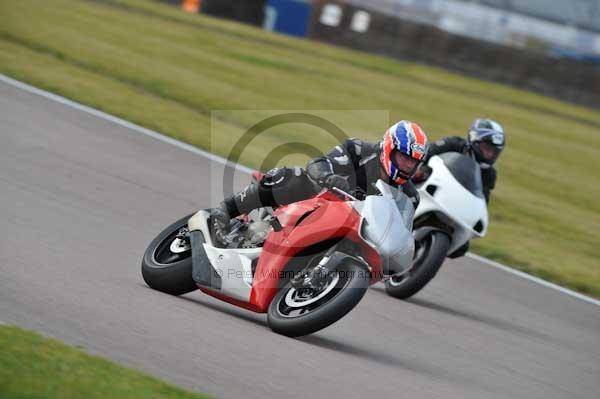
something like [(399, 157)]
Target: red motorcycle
[(306, 264)]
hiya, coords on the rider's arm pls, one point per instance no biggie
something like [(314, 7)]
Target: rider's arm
[(319, 169), (488, 177), (447, 144), (341, 160)]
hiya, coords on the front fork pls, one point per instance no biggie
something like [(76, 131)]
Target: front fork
[(317, 277)]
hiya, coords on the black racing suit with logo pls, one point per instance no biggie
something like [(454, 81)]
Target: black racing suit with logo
[(488, 175), (355, 160)]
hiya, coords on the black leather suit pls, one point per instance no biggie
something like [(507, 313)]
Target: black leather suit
[(354, 160)]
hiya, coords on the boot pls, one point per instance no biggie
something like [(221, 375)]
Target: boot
[(243, 202), (220, 226)]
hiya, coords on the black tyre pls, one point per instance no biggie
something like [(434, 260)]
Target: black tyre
[(429, 256), (167, 263), (292, 315)]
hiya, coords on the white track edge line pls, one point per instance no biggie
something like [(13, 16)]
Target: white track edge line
[(242, 168), (122, 122), (534, 279)]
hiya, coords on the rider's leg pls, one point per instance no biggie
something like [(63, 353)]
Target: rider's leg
[(279, 186)]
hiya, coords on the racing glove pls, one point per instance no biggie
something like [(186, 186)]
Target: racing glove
[(337, 181)]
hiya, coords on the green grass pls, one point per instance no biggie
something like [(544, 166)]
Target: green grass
[(167, 70), (35, 367)]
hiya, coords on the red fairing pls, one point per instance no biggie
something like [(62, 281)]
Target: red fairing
[(230, 300), (324, 217)]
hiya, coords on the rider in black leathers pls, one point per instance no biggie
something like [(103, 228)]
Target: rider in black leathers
[(484, 142), (353, 166)]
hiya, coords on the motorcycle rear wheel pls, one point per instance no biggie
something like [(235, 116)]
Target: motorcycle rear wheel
[(435, 247), (167, 264), (292, 315)]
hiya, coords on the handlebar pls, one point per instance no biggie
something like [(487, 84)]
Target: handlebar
[(345, 194)]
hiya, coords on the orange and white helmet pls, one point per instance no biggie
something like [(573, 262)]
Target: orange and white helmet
[(403, 148)]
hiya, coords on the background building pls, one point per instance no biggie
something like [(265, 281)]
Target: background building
[(551, 47), (561, 28)]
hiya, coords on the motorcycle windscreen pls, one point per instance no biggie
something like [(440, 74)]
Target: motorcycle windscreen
[(387, 226), (406, 209), (465, 170)]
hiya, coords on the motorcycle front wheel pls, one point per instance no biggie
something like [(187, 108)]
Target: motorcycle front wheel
[(167, 262), (430, 253), (296, 312)]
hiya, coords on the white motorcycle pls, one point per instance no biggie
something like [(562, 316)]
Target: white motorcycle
[(452, 211)]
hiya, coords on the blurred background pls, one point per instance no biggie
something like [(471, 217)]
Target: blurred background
[(555, 43)]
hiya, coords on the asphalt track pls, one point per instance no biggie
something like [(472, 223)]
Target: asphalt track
[(81, 197)]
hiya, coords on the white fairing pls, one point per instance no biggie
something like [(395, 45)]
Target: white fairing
[(387, 226), (234, 266), (461, 209)]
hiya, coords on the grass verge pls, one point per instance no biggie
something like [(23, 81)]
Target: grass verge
[(166, 70), (32, 366)]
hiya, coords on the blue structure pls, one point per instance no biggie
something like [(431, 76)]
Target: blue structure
[(291, 17)]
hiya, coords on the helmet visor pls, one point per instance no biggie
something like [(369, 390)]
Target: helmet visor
[(406, 165), (488, 152)]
